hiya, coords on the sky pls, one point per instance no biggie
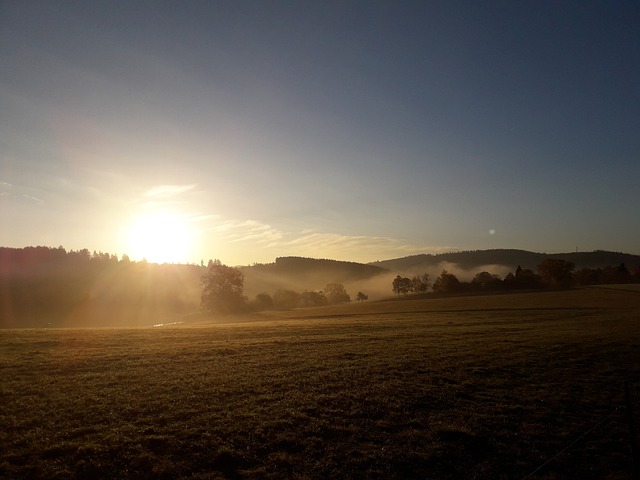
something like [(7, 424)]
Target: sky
[(181, 131)]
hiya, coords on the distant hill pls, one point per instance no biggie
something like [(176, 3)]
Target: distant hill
[(510, 259), (300, 274)]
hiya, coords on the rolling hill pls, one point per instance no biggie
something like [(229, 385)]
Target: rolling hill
[(509, 258), (300, 274)]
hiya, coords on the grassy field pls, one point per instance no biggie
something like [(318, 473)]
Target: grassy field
[(468, 387)]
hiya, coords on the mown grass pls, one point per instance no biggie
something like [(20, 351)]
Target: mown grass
[(482, 387)]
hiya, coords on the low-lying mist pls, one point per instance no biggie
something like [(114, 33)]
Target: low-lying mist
[(376, 287)]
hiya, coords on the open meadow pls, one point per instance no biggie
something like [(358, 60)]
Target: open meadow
[(484, 387)]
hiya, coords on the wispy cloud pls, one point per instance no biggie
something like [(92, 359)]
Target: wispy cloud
[(248, 230), (16, 193), (272, 241), (353, 246), (5, 185), (164, 191), (9, 191)]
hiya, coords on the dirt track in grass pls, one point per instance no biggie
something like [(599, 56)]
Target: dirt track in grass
[(460, 387)]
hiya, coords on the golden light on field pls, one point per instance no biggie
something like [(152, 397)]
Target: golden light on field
[(161, 238)]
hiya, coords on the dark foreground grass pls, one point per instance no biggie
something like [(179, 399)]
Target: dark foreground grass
[(425, 393)]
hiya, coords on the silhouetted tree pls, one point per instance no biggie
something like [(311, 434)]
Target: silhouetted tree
[(607, 275), (588, 276), (556, 273), (361, 297), (285, 299), (486, 281), (527, 279), (524, 278), (336, 293), (222, 289), (420, 283), (509, 281), (312, 299), (263, 301), (446, 283), (402, 285), (618, 274)]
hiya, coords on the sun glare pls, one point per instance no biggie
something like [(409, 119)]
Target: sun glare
[(161, 238)]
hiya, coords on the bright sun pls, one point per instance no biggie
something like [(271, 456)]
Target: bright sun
[(161, 238)]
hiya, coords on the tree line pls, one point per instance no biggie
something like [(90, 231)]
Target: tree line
[(292, 266), (43, 286), (223, 293), (551, 273)]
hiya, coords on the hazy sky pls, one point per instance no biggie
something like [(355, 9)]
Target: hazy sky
[(348, 130)]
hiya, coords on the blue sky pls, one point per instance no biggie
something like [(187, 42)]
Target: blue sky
[(362, 131)]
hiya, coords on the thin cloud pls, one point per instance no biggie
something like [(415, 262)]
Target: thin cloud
[(5, 185), (17, 194), (354, 246), (248, 230), (308, 243), (164, 191)]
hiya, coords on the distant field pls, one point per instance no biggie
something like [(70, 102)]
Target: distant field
[(459, 387)]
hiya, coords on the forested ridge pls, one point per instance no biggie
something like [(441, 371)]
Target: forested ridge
[(510, 258), (334, 270), (42, 286)]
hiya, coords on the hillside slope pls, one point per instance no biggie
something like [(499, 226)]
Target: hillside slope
[(508, 258), (300, 274)]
